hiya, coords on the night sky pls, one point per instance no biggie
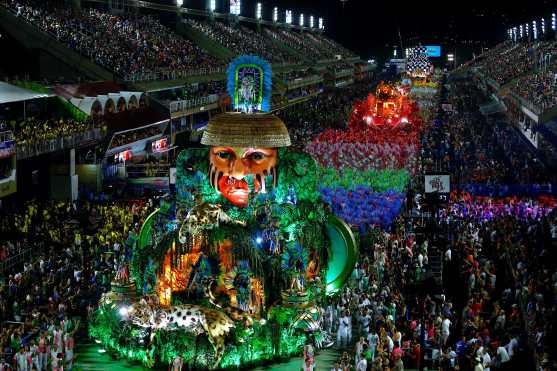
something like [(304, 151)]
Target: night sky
[(370, 27)]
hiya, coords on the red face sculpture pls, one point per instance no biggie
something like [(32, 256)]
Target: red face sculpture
[(229, 166)]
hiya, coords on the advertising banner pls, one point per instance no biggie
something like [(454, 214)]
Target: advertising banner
[(7, 148), (437, 183)]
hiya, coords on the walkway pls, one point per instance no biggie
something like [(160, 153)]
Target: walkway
[(89, 359)]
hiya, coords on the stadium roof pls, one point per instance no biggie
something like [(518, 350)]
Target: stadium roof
[(10, 93)]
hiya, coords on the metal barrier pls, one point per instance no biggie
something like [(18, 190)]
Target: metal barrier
[(20, 258), (147, 170), (47, 146), (182, 105)]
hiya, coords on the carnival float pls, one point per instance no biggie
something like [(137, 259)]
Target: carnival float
[(233, 270), (366, 167)]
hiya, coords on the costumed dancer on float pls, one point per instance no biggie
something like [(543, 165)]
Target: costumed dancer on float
[(176, 364), (309, 358)]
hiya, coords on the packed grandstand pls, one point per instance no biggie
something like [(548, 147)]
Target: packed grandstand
[(222, 192)]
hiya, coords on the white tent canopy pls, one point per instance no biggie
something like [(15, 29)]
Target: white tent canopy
[(10, 93)]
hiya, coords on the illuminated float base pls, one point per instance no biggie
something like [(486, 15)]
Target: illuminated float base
[(164, 318)]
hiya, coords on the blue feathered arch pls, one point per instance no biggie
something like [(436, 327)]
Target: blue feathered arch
[(250, 61)]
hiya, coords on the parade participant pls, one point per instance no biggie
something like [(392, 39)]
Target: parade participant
[(372, 340), (43, 345), (342, 331), (21, 360), (69, 345), (361, 365), (34, 350), (359, 348), (57, 349)]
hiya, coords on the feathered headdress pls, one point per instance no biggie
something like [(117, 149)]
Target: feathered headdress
[(249, 86)]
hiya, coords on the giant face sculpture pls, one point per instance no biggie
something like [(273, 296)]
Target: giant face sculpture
[(229, 167)]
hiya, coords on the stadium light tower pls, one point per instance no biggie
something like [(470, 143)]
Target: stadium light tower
[(535, 30), (553, 22), (526, 27), (212, 5), (258, 11), (302, 19), (321, 25), (543, 25), (311, 21), (275, 14), (289, 16), (179, 3)]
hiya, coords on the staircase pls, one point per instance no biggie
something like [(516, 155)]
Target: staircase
[(436, 267)]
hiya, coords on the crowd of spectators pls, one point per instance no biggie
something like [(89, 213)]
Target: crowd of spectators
[(509, 307), (75, 247), (242, 41), (512, 60), (32, 130), (476, 149), (128, 45), (491, 308), (540, 87), (379, 307)]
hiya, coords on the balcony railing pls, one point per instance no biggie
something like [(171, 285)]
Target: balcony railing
[(134, 171), (25, 150), (526, 103), (171, 74), (147, 170), (183, 105), (344, 72), (25, 256), (296, 83)]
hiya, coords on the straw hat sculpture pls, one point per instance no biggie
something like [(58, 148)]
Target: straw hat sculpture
[(237, 129)]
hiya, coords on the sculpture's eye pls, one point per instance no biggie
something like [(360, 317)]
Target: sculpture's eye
[(224, 155), (257, 156)]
